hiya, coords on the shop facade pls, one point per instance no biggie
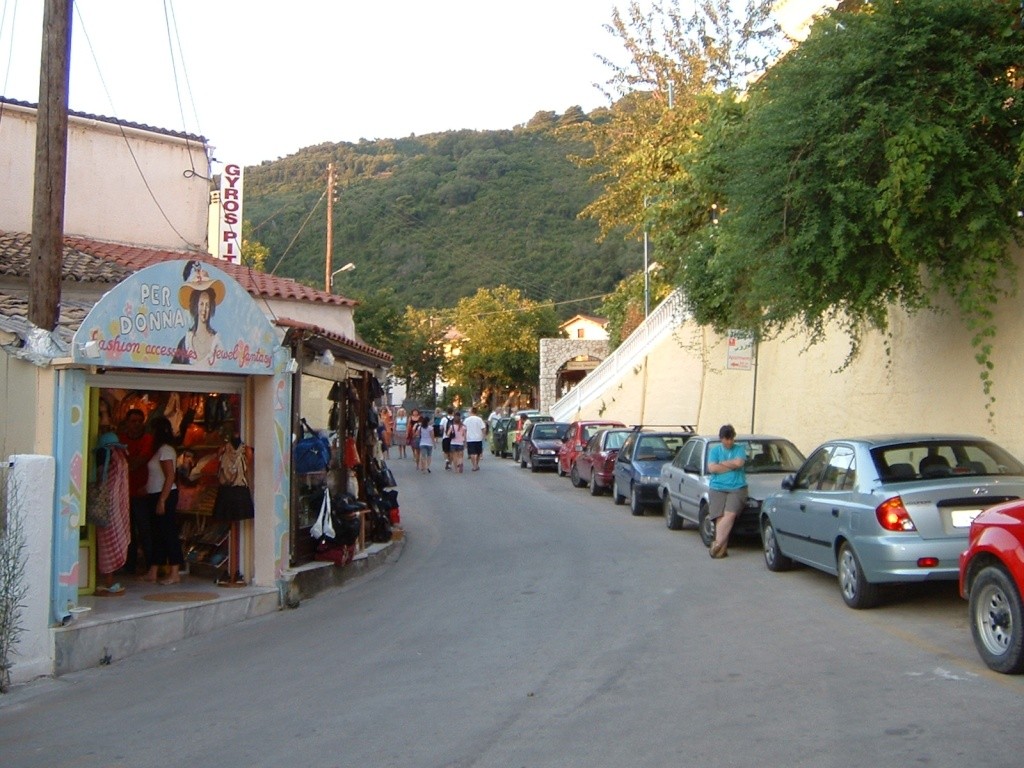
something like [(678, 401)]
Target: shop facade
[(140, 348)]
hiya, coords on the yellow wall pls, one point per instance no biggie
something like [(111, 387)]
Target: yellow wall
[(924, 380)]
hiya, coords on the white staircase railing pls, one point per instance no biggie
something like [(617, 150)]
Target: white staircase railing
[(663, 320)]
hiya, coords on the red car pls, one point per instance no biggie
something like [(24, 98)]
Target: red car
[(595, 464), (992, 580), (576, 440)]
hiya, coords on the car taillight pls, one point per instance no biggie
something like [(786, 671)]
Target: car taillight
[(893, 516)]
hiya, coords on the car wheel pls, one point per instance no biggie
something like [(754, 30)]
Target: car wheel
[(997, 623), (558, 468), (857, 591), (706, 525), (574, 477), (773, 557), (595, 489), (532, 464), (617, 497), (635, 505), (672, 521)]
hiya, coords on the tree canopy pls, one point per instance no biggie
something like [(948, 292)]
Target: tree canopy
[(877, 164)]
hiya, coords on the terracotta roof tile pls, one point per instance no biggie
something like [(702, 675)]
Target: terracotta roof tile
[(337, 338), (97, 261)]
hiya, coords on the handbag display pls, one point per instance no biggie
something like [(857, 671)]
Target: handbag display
[(312, 453), (323, 526)]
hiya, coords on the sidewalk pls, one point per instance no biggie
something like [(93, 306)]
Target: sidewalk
[(106, 629)]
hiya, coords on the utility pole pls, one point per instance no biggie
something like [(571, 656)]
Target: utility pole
[(51, 162), (330, 226)]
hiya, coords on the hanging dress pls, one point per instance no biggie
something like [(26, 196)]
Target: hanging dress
[(234, 499), (112, 540)]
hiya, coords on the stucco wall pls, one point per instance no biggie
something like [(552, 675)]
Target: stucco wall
[(165, 206), (924, 378), (26, 402)]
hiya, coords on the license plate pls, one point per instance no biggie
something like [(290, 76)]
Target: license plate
[(961, 518)]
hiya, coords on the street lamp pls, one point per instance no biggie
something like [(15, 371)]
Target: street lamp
[(347, 268)]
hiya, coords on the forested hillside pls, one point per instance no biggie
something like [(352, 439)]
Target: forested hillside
[(435, 217)]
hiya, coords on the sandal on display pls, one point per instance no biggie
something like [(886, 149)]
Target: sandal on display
[(113, 589)]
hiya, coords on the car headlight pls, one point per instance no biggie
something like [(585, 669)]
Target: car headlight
[(650, 479), (545, 452)]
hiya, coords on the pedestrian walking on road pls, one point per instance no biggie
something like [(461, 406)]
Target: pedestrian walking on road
[(412, 435), (728, 487), (426, 443), (446, 437), (457, 443), (476, 428), (401, 432)]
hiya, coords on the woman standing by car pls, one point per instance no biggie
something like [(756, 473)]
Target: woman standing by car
[(728, 487)]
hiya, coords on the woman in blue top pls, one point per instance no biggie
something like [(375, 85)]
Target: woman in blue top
[(728, 486)]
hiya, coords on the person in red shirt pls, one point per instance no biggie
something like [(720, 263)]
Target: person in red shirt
[(140, 451)]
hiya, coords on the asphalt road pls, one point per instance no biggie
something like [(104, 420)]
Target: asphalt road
[(528, 624)]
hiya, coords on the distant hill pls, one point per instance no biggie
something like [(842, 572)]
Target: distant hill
[(435, 217)]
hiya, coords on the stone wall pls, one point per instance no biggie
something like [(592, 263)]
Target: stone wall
[(555, 353)]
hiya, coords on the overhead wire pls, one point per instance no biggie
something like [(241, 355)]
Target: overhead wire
[(124, 136), (170, 20), (10, 53), (299, 232)]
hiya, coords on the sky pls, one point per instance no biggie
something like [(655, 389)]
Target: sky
[(261, 80)]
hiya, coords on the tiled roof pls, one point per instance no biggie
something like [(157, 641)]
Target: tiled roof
[(337, 338), (111, 120), (97, 261)]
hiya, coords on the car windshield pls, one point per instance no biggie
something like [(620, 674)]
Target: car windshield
[(770, 456), (658, 447), (614, 440), (545, 431), (943, 458)]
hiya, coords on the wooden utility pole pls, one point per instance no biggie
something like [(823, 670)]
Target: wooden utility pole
[(47, 250), (330, 227)]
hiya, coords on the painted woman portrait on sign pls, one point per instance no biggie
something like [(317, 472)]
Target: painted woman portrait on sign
[(200, 296)]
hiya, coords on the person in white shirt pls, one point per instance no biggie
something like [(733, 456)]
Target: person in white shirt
[(476, 428)]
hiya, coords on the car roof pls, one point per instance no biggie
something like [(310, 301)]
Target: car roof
[(910, 437)]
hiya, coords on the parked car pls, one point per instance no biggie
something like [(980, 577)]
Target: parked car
[(886, 509), (499, 435), (685, 483), (523, 425), (992, 579), (638, 466), (595, 465), (539, 447), (576, 440)]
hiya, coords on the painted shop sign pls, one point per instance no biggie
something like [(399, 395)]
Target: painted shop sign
[(186, 315)]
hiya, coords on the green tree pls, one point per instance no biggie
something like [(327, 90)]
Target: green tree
[(660, 96), (419, 353), (254, 253), (878, 164), (500, 333), (378, 319)]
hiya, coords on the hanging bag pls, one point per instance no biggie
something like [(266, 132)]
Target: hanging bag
[(323, 526), (98, 504), (312, 453)]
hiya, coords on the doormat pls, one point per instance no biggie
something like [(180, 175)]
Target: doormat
[(180, 597)]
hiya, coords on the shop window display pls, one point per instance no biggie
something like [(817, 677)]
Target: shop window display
[(202, 424)]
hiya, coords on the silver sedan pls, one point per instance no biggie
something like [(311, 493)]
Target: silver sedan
[(888, 509), (685, 483)]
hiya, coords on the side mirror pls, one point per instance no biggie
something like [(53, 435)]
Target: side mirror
[(789, 483)]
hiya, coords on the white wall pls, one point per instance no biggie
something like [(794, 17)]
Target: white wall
[(32, 479), (107, 196)]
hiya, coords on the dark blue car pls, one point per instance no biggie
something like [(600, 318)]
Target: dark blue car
[(638, 466)]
